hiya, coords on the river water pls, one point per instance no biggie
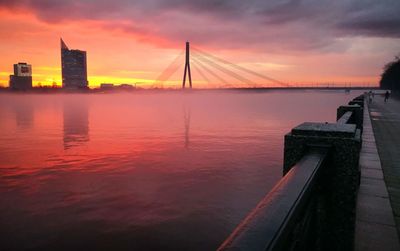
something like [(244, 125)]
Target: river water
[(144, 170)]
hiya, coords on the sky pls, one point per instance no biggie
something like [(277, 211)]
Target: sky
[(134, 41)]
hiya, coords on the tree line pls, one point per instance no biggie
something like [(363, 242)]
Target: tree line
[(390, 78)]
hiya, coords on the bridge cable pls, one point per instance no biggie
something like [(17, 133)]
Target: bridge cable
[(196, 68), (205, 68), (170, 70), (224, 70), (240, 67)]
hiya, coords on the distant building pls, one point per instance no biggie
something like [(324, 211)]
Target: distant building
[(106, 86), (22, 78), (126, 86), (74, 69), (110, 86)]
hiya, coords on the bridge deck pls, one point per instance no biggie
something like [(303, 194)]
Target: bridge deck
[(376, 220)]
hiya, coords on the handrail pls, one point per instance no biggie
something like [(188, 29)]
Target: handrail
[(345, 119), (305, 211), (270, 223)]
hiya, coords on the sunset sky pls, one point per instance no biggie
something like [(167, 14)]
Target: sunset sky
[(133, 41)]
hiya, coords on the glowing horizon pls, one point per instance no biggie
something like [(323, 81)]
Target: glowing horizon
[(285, 44)]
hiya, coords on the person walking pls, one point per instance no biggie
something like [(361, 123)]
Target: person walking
[(387, 94), (370, 97)]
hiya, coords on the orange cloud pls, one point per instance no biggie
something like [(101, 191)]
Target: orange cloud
[(128, 45)]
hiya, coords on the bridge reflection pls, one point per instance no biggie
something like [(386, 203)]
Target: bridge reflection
[(186, 117)]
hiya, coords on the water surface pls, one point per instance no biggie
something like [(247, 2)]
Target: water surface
[(142, 171)]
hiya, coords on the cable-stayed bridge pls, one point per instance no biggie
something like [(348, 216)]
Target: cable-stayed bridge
[(207, 69), (212, 69)]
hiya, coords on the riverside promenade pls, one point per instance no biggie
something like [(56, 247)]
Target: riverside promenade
[(378, 205)]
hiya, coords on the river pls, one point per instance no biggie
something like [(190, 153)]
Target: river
[(142, 170)]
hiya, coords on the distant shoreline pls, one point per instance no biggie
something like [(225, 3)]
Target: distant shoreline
[(50, 90)]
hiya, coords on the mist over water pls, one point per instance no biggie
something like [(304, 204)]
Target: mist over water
[(145, 170)]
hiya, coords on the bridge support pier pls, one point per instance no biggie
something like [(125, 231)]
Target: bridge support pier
[(339, 183), (187, 67)]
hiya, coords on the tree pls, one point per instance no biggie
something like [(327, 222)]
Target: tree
[(390, 78)]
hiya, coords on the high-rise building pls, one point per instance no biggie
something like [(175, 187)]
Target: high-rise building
[(22, 78), (73, 65)]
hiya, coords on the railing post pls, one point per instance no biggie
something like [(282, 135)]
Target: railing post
[(358, 115), (340, 181), (357, 102)]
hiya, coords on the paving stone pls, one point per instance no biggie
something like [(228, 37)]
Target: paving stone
[(378, 204), (393, 189), (374, 209), (372, 173), (370, 156), (369, 149), (387, 136), (392, 179), (393, 172), (373, 187), (370, 164), (372, 237)]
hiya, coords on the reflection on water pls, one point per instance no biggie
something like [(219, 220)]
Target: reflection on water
[(186, 118), (24, 114), (129, 172), (76, 123)]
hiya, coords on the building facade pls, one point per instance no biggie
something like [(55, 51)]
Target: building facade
[(22, 78), (73, 67)]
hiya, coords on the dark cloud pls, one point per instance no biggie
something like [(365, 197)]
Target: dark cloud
[(372, 18), (280, 24), (377, 28)]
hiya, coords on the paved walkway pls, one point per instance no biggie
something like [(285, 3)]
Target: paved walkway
[(386, 124), (375, 224)]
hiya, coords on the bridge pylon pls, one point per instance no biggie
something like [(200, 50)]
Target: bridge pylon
[(187, 67)]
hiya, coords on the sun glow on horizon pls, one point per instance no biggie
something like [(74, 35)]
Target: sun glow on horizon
[(122, 52)]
